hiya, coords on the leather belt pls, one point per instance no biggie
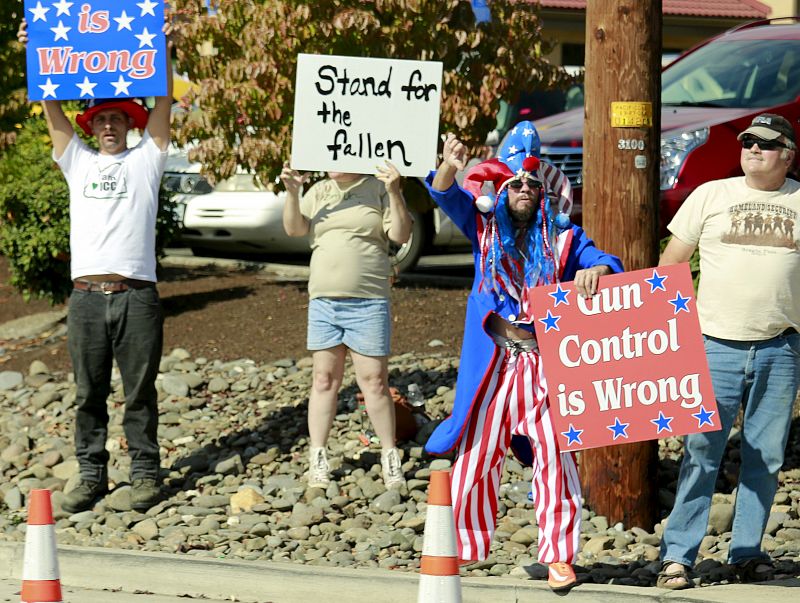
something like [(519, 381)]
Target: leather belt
[(109, 287), (515, 346)]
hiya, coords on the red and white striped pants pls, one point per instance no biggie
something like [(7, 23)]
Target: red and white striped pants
[(514, 401)]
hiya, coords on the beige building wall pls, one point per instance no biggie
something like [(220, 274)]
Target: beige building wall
[(679, 32), (783, 8)]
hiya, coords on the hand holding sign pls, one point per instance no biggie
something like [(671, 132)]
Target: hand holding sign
[(293, 180), (390, 177), (587, 280), (627, 364)]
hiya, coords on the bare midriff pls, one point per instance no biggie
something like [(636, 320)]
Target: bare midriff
[(502, 327)]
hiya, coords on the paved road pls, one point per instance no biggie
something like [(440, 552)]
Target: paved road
[(184, 578), (9, 591)]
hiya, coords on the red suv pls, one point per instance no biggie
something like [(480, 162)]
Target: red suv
[(708, 95)]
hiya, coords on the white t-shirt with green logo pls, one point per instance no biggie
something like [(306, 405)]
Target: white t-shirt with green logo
[(749, 257), (113, 207)]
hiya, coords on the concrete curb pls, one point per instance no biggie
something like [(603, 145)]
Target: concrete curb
[(176, 575)]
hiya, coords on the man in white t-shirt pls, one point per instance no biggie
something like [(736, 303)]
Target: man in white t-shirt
[(114, 309), (749, 309)]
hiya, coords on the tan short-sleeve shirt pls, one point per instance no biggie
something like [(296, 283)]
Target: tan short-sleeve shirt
[(749, 259), (349, 241)]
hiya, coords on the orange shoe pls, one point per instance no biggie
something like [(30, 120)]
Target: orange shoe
[(560, 576)]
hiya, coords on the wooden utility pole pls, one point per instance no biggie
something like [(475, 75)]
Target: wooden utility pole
[(621, 156)]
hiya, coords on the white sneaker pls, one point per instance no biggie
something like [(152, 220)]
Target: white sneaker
[(318, 468), (392, 471)]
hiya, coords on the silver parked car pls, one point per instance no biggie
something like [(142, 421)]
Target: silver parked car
[(239, 216)]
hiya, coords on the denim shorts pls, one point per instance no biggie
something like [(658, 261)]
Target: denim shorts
[(363, 325)]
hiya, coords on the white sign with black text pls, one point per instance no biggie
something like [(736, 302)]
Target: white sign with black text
[(352, 113)]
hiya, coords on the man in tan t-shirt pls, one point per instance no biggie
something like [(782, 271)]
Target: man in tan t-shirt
[(749, 309)]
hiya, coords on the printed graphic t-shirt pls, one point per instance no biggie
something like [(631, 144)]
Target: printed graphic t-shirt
[(749, 259), (350, 247), (113, 203)]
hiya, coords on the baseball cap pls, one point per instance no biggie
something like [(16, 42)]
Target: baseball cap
[(769, 126)]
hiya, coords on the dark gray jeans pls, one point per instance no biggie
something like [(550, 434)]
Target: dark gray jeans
[(127, 326)]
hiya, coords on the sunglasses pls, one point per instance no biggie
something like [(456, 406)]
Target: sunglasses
[(764, 145), (516, 184)]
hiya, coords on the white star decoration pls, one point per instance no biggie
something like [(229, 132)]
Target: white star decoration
[(61, 31), (86, 87), (513, 130), (63, 7), (527, 132), (39, 12), (48, 89), (512, 149), (147, 7), (145, 38), (121, 86), (123, 21)]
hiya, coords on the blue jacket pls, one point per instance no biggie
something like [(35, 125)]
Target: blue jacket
[(478, 350)]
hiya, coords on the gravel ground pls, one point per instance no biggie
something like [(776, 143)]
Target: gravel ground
[(233, 391)]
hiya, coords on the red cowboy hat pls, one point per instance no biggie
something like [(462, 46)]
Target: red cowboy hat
[(130, 107)]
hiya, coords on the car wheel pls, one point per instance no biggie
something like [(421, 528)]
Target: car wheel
[(405, 257)]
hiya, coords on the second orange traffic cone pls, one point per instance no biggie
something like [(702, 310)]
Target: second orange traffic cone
[(439, 581), (40, 578)]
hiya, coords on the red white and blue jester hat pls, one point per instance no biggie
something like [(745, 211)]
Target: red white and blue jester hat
[(508, 263)]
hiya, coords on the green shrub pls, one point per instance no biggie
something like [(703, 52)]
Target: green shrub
[(34, 216)]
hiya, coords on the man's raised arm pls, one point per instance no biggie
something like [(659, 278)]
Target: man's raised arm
[(158, 124), (59, 126), (454, 155)]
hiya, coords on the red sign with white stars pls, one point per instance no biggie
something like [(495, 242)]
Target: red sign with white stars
[(628, 364)]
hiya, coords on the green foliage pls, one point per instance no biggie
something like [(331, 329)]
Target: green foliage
[(34, 216), (13, 105), (244, 60)]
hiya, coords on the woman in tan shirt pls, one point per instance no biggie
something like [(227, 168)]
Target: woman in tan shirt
[(351, 219)]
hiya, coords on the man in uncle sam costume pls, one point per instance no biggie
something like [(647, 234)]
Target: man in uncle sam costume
[(521, 238)]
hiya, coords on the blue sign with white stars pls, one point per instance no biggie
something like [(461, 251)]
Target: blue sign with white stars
[(95, 49)]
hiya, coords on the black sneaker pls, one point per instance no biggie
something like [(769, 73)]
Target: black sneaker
[(84, 496), (145, 493)]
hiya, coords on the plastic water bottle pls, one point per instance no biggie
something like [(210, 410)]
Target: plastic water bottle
[(414, 396), (519, 492)]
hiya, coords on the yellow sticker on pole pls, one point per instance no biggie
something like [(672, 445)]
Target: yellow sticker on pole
[(631, 114)]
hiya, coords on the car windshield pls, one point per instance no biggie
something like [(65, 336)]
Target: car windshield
[(741, 73)]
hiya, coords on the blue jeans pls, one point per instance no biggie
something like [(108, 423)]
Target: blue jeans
[(125, 326), (763, 376), (363, 325)]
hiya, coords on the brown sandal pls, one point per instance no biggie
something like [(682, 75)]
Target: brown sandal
[(680, 576)]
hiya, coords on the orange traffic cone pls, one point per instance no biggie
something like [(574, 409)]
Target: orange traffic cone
[(40, 578), (439, 581)]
